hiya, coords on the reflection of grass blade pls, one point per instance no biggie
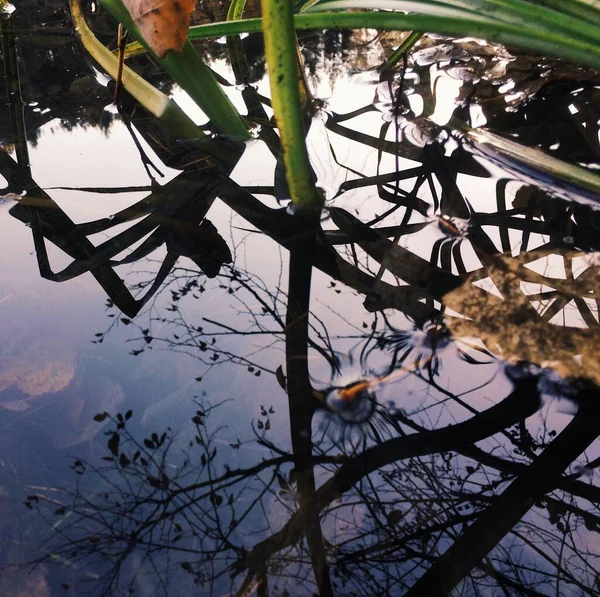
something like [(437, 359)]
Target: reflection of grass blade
[(280, 51), (562, 177), (37, 210), (279, 226), (422, 277), (189, 71)]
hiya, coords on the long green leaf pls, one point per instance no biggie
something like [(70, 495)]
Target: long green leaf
[(402, 50), (237, 56), (504, 151), (153, 100), (524, 36), (517, 12), (236, 10), (189, 71), (584, 9)]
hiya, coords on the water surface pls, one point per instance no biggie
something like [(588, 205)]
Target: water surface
[(179, 415)]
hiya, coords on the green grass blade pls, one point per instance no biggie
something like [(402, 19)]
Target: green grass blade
[(537, 30), (237, 56), (281, 54), (402, 50), (525, 37), (153, 100), (508, 11), (236, 10), (587, 10), (189, 71)]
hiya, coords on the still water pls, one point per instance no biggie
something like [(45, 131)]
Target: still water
[(202, 396)]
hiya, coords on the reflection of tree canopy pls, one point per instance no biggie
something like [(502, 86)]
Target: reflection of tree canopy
[(57, 85), (433, 464)]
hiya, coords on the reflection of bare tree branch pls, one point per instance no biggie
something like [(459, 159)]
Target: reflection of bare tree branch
[(511, 506), (519, 404)]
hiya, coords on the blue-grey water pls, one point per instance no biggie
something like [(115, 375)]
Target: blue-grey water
[(442, 401)]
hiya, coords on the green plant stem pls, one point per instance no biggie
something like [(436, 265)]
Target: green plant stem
[(401, 50), (189, 71), (280, 51)]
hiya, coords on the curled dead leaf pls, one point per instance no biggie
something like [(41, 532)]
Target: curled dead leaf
[(164, 24)]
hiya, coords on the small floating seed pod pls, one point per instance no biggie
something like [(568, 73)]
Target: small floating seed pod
[(354, 403), (352, 418), (422, 344)]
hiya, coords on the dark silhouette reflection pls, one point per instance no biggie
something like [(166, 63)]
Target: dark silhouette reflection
[(437, 462), (391, 482), (166, 518)]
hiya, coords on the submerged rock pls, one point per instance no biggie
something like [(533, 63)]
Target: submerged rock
[(61, 393), (39, 369)]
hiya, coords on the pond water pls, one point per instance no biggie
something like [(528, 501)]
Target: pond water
[(201, 394)]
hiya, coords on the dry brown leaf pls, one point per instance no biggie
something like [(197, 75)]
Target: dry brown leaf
[(164, 24)]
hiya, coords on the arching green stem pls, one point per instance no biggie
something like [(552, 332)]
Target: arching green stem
[(188, 70)]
